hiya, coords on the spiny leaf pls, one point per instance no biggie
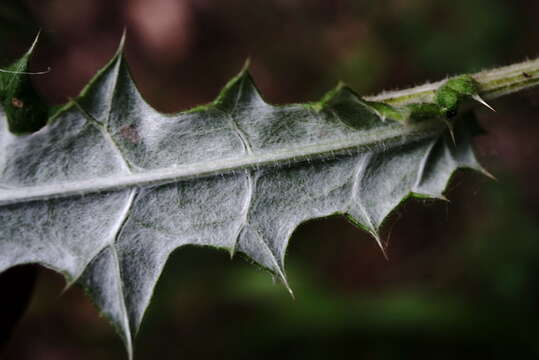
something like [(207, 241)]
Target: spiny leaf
[(110, 187)]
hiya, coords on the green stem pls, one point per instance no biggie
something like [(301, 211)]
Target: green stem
[(492, 84)]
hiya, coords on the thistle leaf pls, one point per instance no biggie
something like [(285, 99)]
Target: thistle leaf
[(110, 187)]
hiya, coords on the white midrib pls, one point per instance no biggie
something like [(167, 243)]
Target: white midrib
[(492, 84), (390, 135)]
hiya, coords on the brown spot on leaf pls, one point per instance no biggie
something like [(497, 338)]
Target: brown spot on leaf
[(130, 133), (526, 75)]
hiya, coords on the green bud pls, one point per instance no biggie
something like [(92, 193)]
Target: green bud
[(463, 85), (448, 100)]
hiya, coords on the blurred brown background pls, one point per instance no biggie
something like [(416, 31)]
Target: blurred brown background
[(463, 277)]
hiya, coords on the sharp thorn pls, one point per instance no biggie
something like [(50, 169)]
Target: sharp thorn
[(67, 286), (291, 292), (481, 101), (442, 197), (288, 288), (34, 43), (279, 274), (381, 246), (488, 174), (451, 131), (246, 65)]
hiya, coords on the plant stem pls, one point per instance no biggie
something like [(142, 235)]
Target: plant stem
[(493, 83)]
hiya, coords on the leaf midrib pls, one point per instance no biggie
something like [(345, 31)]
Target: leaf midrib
[(387, 136)]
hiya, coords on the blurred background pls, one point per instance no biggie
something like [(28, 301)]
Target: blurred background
[(463, 276)]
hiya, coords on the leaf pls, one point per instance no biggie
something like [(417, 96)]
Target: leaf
[(110, 187), (21, 103)]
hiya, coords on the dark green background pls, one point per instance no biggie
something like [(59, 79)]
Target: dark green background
[(463, 276)]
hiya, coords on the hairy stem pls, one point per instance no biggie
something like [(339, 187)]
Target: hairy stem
[(492, 84)]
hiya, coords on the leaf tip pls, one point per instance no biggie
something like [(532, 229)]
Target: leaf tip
[(121, 44), (129, 348), (287, 286), (279, 272), (69, 284), (232, 251), (241, 88), (30, 51), (246, 66), (340, 90)]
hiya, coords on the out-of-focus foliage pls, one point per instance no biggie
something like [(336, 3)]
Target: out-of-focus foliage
[(465, 283)]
